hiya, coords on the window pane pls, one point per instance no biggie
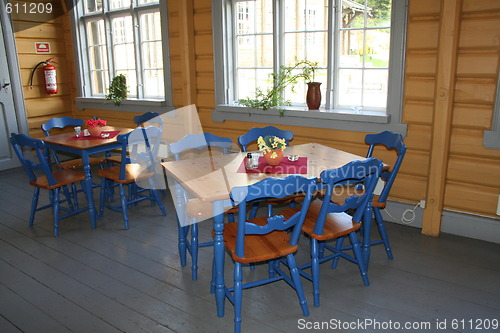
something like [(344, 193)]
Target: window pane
[(250, 79), (350, 82), (253, 23), (93, 6), (153, 83), (377, 48), (115, 4), (351, 48), (152, 55), (131, 81), (380, 13), (141, 2), (98, 60), (99, 82), (375, 88)]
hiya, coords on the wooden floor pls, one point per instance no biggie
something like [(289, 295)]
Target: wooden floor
[(115, 280)]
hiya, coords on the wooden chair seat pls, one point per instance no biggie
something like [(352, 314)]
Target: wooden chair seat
[(285, 200), (114, 159), (258, 248), (336, 224), (133, 172), (77, 163), (62, 178)]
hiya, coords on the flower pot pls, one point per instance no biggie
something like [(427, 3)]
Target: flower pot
[(313, 97), (277, 157), (95, 131)]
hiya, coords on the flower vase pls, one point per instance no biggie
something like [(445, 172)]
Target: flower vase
[(313, 97), (95, 131), (277, 158)]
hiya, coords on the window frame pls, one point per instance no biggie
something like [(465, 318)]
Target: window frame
[(80, 49), (363, 121)]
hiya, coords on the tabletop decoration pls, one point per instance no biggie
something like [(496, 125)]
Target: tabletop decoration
[(94, 125), (272, 147)]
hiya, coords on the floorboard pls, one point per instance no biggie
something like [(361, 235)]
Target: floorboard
[(115, 280)]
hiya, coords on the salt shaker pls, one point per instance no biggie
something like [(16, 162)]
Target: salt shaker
[(249, 162), (78, 131)]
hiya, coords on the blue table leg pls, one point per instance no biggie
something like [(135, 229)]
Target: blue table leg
[(88, 188), (367, 226), (220, 294)]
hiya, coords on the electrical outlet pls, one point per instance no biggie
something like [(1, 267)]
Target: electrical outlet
[(422, 204), (498, 205)]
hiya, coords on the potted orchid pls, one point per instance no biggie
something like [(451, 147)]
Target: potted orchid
[(272, 147), (94, 125)]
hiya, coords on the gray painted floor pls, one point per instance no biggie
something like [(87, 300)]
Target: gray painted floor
[(115, 280)]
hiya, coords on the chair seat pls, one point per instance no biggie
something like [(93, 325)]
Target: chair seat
[(133, 172), (285, 200), (77, 163), (62, 177), (258, 247), (336, 224)]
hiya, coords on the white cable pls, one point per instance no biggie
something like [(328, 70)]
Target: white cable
[(404, 219)]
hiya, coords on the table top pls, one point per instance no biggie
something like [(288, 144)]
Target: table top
[(210, 178), (63, 139)]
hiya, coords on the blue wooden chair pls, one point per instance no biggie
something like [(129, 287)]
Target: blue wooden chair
[(267, 238), (41, 177), (195, 208), (253, 134), (140, 166), (327, 220), (391, 141), (141, 119)]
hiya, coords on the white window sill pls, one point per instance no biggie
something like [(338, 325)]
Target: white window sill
[(128, 105), (363, 121)]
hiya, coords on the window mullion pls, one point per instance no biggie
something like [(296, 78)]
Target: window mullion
[(138, 54), (331, 63), (109, 39), (278, 37)]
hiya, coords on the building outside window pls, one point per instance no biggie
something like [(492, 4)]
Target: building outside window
[(123, 37)]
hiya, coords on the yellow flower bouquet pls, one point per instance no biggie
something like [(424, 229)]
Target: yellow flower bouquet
[(271, 145)]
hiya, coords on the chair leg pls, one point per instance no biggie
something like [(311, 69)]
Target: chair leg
[(272, 272), (294, 272), (356, 248), (56, 212), (182, 242), (253, 211), (34, 204), (382, 231), (75, 195), (68, 198), (156, 196), (194, 251), (315, 269), (338, 246), (238, 296), (123, 198), (102, 196)]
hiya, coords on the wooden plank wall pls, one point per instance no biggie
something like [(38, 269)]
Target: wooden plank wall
[(44, 28), (472, 183)]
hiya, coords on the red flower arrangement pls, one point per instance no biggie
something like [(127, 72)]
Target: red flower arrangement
[(94, 122)]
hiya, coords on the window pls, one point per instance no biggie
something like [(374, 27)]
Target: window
[(123, 37), (358, 44)]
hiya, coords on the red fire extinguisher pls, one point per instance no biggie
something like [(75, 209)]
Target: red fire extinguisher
[(49, 75)]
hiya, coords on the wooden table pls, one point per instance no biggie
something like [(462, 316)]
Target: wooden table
[(85, 148), (211, 178)]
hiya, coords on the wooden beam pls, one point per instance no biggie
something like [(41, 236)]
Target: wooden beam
[(449, 33), (187, 35)]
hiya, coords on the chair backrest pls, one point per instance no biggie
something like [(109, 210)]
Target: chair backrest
[(200, 141), (139, 120), (390, 141), (352, 175), (272, 188), (253, 134), (59, 123), (18, 141), (140, 146)]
